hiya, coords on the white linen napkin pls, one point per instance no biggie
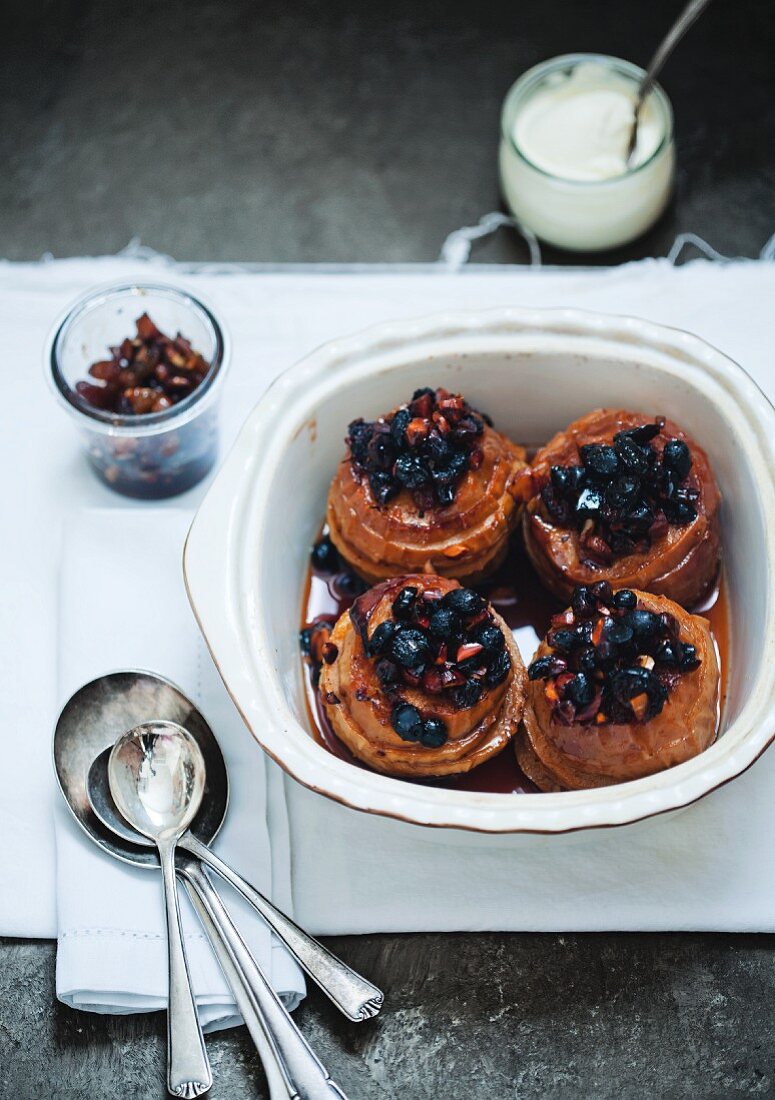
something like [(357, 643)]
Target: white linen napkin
[(122, 605), (274, 317)]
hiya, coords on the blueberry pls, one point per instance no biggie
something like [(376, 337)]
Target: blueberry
[(589, 503), (667, 654), (409, 647), (560, 478), (625, 599), (688, 659), (384, 486), (398, 426), (324, 556), (645, 625), (437, 448), (382, 637), (581, 601), (444, 624), (305, 639), (358, 435), (602, 592), (580, 690), (556, 505), (464, 601), (454, 468), (626, 683), (640, 518), (617, 633), (350, 585), (491, 638), (622, 492), (411, 471), (586, 659), (545, 667), (467, 694), (600, 459), (434, 733), (407, 722), (630, 454), (403, 604), (679, 512), (677, 457), (499, 669), (445, 495), (565, 639)]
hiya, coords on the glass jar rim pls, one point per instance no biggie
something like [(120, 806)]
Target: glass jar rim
[(145, 423), (528, 83)]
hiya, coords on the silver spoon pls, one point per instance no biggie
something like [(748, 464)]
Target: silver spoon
[(156, 774), (90, 722), (353, 995), (685, 20), (157, 779)]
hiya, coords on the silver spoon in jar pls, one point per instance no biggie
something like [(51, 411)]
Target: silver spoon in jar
[(685, 20), (157, 780)]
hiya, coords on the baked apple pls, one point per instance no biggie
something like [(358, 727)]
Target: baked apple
[(427, 488), (422, 678), (625, 684), (622, 498)]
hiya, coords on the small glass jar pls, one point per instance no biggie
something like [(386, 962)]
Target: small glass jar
[(585, 214), (158, 454)]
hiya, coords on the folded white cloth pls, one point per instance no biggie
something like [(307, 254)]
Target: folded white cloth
[(122, 605), (274, 318)]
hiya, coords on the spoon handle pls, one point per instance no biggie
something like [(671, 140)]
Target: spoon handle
[(685, 20), (235, 976), (352, 994), (188, 1069), (304, 1075)]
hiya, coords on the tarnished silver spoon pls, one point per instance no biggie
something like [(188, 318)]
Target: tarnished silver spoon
[(685, 20), (157, 779)]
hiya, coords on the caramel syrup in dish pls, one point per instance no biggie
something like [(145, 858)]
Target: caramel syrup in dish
[(518, 596)]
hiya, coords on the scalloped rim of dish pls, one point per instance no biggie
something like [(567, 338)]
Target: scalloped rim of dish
[(216, 546)]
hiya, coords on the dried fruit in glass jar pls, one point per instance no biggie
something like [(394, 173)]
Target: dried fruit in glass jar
[(146, 373)]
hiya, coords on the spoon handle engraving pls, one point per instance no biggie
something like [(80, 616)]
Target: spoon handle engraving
[(304, 1075), (188, 1069), (352, 994)]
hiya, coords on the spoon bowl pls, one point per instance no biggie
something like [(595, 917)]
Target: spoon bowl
[(156, 773), (91, 722)]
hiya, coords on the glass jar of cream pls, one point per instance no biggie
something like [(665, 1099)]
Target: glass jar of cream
[(565, 127)]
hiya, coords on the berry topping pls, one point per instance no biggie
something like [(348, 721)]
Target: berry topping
[(425, 447), (316, 646), (437, 644), (403, 604), (407, 722), (464, 601), (434, 733), (610, 661), (624, 495), (410, 647), (382, 637), (325, 557)]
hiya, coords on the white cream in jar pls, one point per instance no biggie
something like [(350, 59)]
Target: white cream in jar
[(565, 129)]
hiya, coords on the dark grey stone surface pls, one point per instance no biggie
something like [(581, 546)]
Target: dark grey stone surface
[(339, 132)]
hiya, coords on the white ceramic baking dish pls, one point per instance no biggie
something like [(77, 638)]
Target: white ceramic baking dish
[(533, 371)]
